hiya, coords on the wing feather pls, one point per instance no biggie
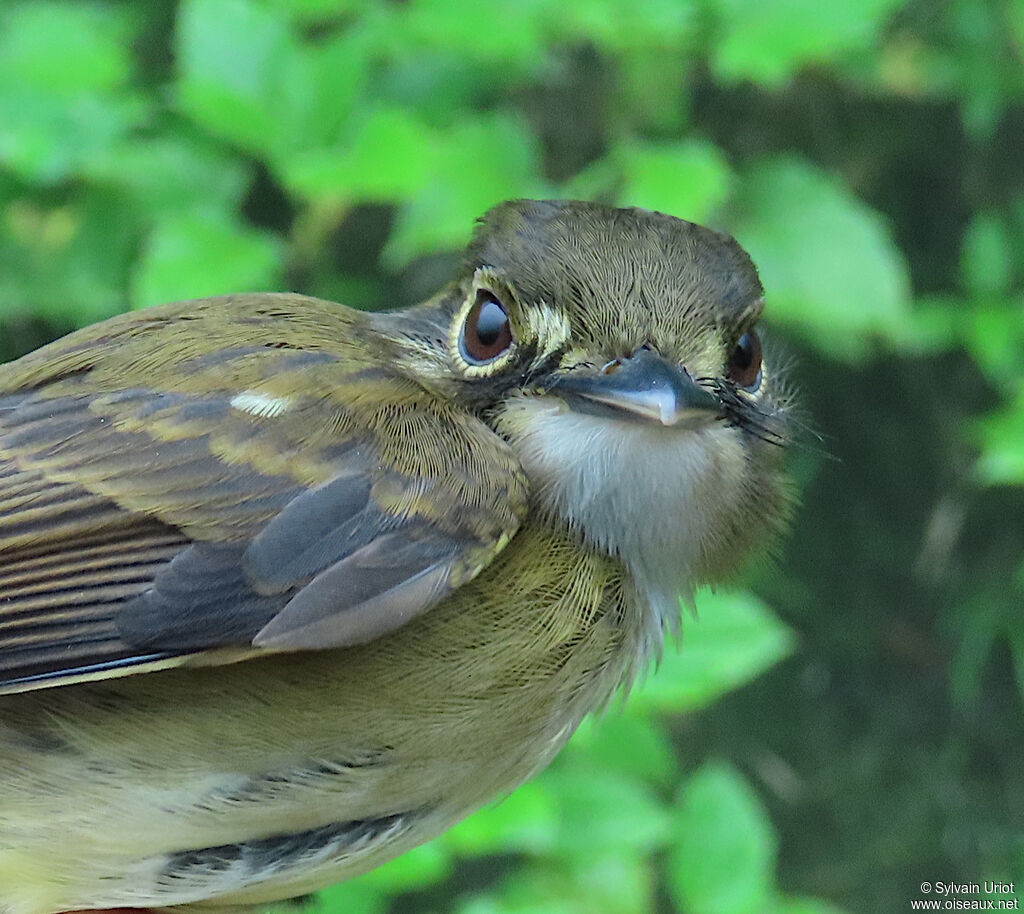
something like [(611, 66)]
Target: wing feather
[(256, 498)]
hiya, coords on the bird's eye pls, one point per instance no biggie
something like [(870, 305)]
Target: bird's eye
[(745, 362), (486, 334)]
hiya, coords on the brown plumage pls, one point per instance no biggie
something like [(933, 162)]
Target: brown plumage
[(286, 589)]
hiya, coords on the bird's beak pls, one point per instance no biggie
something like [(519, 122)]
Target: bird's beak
[(644, 386)]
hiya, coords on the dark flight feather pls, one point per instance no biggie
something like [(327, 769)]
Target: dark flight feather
[(143, 524)]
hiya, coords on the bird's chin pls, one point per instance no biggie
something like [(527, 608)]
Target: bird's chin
[(662, 499)]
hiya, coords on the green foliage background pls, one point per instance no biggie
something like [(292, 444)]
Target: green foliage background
[(849, 726)]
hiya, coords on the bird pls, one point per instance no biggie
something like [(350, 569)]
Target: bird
[(288, 588)]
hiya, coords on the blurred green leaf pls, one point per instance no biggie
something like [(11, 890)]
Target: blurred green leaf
[(324, 98), (68, 262), (655, 90), (440, 77), (172, 175), (965, 50), (467, 27), (64, 49), (574, 811), (627, 741), (192, 257), (314, 12), (987, 72), (987, 259), (828, 262), (769, 42), (423, 866), (621, 25), (234, 56), (1002, 440), (603, 811), (733, 639), (603, 884), (723, 853), (44, 138), (390, 157), (991, 329), (355, 897), (994, 333), (246, 76), (524, 822), (477, 164), (689, 180), (62, 101), (613, 883)]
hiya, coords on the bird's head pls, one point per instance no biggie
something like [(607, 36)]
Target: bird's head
[(617, 351)]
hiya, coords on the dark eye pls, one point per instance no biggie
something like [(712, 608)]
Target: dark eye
[(487, 332), (745, 361)]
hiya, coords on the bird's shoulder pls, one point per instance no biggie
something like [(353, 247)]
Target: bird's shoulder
[(248, 473)]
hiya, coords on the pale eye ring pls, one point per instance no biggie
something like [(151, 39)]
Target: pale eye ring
[(486, 332)]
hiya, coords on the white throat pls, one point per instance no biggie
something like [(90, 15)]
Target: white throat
[(653, 497)]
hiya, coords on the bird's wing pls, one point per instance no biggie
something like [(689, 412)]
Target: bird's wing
[(180, 490)]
